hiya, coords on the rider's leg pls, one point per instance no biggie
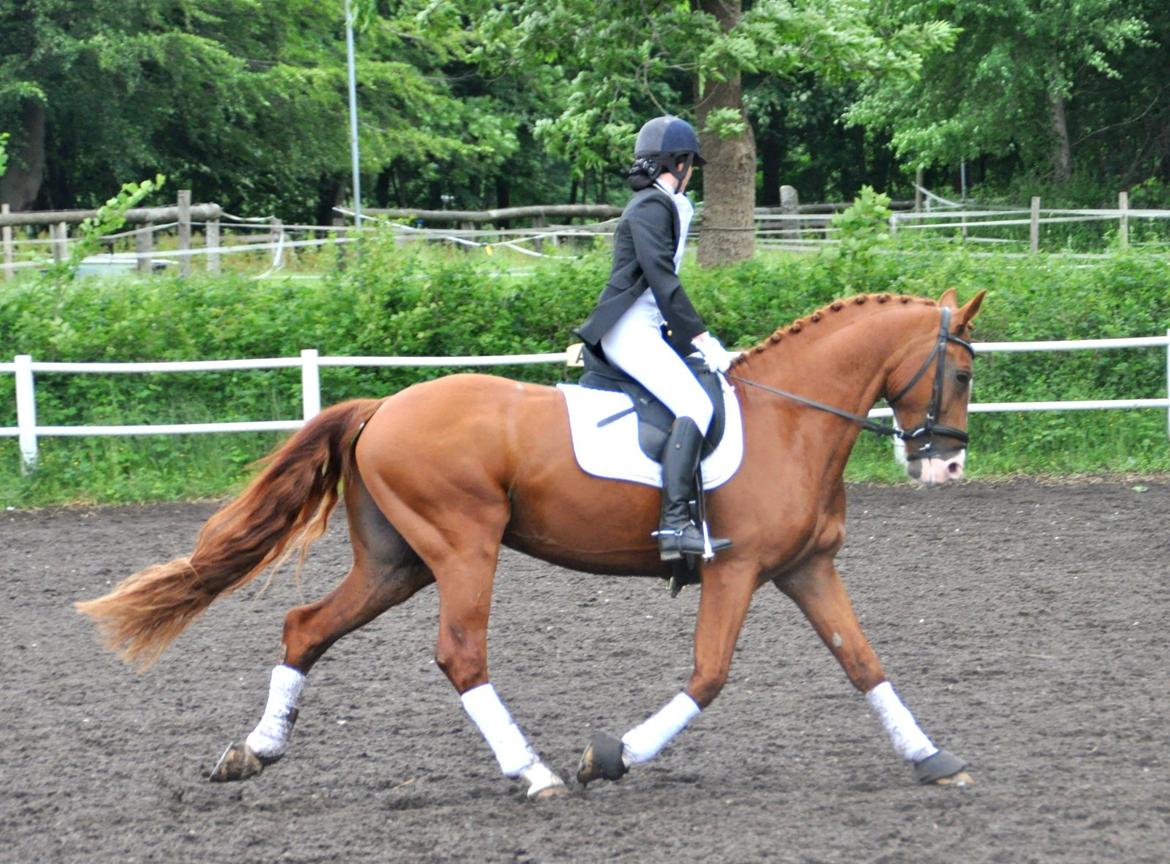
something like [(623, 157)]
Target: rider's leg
[(636, 346)]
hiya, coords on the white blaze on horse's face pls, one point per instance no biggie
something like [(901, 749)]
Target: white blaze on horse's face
[(936, 471)]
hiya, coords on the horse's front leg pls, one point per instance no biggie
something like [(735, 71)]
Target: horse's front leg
[(726, 592), (819, 592)]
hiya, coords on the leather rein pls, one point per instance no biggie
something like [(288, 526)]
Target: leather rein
[(930, 427)]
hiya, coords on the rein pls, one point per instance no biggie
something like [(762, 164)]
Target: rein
[(929, 427)]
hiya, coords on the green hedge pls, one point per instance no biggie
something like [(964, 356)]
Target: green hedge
[(392, 301)]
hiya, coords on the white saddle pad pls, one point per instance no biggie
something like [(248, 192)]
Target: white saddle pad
[(612, 451)]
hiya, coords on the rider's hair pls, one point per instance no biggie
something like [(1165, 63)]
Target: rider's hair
[(645, 169)]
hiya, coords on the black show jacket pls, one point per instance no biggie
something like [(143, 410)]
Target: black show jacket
[(643, 255)]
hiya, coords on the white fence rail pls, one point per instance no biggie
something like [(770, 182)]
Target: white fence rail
[(310, 363)]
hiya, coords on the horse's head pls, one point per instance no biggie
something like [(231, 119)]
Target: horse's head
[(929, 396)]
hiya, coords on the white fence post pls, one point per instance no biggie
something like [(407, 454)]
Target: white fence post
[(1034, 232), (1123, 219), (310, 383), (26, 413)]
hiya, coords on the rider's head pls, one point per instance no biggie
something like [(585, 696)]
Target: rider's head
[(665, 143)]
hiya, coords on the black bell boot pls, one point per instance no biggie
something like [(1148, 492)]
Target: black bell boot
[(677, 534)]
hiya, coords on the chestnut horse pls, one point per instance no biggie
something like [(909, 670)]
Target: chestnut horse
[(437, 476)]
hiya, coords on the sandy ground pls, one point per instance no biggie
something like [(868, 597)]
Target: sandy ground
[(1023, 623)]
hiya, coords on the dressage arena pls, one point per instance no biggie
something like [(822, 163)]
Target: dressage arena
[(1024, 624)]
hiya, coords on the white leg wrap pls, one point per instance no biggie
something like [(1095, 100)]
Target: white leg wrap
[(644, 741), (270, 737), (910, 741), (540, 777), (512, 750)]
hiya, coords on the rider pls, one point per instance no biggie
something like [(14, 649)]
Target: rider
[(644, 322)]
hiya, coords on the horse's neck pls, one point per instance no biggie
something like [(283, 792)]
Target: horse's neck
[(839, 361)]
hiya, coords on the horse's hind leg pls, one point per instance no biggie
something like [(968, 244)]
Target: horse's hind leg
[(385, 572), (465, 590), (819, 592)]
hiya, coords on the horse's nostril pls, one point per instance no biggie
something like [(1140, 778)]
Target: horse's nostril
[(954, 467)]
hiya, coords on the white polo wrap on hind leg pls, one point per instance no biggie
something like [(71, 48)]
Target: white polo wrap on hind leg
[(512, 749), (646, 740), (910, 741), (271, 736)]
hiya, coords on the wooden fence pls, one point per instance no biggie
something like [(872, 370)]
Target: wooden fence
[(791, 226), (183, 217)]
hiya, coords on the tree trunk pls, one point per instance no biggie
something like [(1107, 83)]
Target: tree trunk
[(21, 183), (729, 177), (1062, 149)]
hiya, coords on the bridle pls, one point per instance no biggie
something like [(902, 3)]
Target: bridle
[(930, 428)]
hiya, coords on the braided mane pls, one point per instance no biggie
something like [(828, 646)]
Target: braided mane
[(858, 302)]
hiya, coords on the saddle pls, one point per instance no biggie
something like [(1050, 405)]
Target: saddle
[(654, 418), (654, 423)]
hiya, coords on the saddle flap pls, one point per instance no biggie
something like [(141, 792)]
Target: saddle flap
[(604, 430), (654, 418)]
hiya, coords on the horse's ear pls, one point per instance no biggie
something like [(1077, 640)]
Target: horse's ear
[(968, 312), (948, 299)]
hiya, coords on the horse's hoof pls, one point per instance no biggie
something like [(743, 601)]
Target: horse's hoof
[(542, 782), (942, 769), (238, 762), (960, 779), (602, 759), (549, 792)]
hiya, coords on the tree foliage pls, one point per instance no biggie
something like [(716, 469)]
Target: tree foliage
[(1016, 83), (472, 103)]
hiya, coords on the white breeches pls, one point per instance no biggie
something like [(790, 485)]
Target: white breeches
[(635, 345)]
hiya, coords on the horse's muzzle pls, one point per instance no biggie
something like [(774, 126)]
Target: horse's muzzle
[(937, 470)]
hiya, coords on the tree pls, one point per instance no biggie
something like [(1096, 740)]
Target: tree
[(241, 100), (625, 61), (1008, 85)]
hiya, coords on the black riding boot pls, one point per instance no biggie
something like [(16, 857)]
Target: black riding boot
[(677, 533)]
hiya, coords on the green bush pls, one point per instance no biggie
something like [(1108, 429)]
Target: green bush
[(388, 300)]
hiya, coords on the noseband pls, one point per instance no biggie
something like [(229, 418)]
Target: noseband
[(930, 429)]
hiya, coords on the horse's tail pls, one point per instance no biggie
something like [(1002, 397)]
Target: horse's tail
[(284, 508)]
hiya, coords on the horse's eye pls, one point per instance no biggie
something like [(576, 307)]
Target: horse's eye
[(963, 377)]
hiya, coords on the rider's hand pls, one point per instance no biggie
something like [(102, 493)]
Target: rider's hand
[(717, 358)]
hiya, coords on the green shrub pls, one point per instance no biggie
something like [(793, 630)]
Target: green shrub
[(388, 300)]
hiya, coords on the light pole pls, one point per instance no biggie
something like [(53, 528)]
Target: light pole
[(353, 123)]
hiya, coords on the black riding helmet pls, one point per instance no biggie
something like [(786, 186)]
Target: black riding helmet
[(661, 144)]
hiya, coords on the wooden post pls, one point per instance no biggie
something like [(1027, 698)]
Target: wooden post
[(1123, 220), (274, 239), (9, 246), (790, 206), (918, 190), (184, 232), (538, 222), (59, 234), (1035, 227), (212, 237), (143, 244)]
